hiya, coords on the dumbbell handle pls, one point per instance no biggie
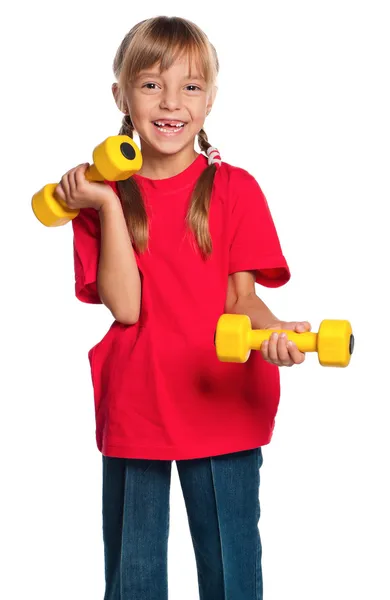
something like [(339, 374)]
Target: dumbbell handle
[(92, 174), (305, 342)]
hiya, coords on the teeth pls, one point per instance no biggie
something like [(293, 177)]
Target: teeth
[(162, 124), (166, 130)]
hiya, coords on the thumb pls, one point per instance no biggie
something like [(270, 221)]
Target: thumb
[(298, 326), (302, 326)]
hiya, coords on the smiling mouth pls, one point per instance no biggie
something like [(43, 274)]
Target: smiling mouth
[(169, 126)]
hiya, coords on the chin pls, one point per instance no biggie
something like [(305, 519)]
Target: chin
[(167, 146)]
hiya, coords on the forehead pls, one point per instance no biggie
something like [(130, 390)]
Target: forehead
[(183, 68)]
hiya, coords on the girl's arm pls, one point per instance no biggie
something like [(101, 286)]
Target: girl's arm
[(242, 299), (118, 279)]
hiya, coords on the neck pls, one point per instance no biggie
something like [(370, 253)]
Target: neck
[(157, 165)]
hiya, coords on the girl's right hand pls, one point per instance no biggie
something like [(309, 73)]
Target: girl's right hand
[(77, 192)]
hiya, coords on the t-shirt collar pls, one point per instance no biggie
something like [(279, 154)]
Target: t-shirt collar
[(177, 182)]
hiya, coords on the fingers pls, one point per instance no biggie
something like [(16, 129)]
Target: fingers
[(59, 191), (79, 175), (275, 350), (264, 350), (76, 178), (278, 350), (65, 186), (283, 351), (70, 183), (296, 356)]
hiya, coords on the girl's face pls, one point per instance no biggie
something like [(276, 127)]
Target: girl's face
[(168, 109)]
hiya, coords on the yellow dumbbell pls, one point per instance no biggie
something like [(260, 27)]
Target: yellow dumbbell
[(235, 338), (115, 159)]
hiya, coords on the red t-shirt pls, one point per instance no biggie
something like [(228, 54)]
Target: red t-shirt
[(160, 391)]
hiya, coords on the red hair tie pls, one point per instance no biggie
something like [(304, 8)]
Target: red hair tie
[(214, 157)]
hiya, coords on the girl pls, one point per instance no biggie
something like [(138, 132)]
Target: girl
[(168, 251)]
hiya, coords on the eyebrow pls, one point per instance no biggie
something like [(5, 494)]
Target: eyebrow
[(155, 74)]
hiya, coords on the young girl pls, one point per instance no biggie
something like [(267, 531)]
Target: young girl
[(168, 251)]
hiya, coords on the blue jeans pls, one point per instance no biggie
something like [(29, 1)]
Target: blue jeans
[(221, 495)]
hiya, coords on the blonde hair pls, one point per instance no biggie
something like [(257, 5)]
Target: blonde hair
[(160, 40)]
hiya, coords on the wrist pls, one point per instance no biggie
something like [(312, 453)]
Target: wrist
[(111, 202), (262, 322), (260, 315)]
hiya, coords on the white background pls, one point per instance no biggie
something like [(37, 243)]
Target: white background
[(303, 105)]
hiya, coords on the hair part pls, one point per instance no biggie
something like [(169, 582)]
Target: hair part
[(162, 40)]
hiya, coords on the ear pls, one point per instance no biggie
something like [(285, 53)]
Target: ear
[(118, 97), (211, 99)]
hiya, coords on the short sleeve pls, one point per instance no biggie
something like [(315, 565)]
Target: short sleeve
[(86, 249), (254, 242)]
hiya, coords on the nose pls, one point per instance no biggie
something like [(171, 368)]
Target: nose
[(170, 99)]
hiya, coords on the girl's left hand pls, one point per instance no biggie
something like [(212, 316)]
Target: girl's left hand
[(279, 350)]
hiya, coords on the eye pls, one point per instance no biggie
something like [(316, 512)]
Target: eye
[(193, 86), (146, 84)]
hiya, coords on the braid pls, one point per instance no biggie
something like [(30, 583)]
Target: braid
[(127, 127), (198, 212), (213, 154), (203, 141), (132, 200)]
